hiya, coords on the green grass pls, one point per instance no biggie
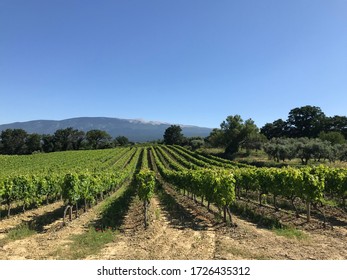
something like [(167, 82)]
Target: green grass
[(20, 232), (102, 231), (291, 233), (157, 213), (88, 243)]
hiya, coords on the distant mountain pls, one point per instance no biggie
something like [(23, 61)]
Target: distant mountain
[(136, 130)]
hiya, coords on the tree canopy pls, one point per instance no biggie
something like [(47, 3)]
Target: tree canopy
[(173, 135), (233, 133), (18, 141), (98, 139), (307, 121)]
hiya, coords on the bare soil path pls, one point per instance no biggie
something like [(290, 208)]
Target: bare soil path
[(46, 243), (41, 216), (162, 240)]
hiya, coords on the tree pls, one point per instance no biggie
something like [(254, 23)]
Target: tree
[(333, 137), (77, 137), (61, 139), (216, 138), (307, 121), (122, 140), (33, 143), (98, 139), (277, 129), (253, 141), (281, 148), (338, 124), (173, 135), (47, 143), (13, 141), (235, 131), (195, 142), (68, 139)]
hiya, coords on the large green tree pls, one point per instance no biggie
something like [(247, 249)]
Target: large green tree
[(47, 143), (33, 143), (98, 139), (279, 128), (67, 139), (13, 141), (173, 135), (307, 121), (236, 131), (333, 137), (337, 124), (121, 140), (216, 138)]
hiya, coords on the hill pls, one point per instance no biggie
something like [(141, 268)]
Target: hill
[(134, 129)]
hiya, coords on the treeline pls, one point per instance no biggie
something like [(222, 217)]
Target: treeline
[(306, 121), (19, 142), (282, 149), (306, 134)]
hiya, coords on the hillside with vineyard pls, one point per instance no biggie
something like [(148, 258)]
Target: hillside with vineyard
[(168, 202)]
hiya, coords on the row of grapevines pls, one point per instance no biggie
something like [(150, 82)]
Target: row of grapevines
[(290, 183), (307, 184), (169, 160), (80, 184), (29, 190), (335, 180), (194, 160), (123, 160), (58, 162), (188, 157), (211, 160), (181, 160), (88, 187), (215, 185), (145, 183)]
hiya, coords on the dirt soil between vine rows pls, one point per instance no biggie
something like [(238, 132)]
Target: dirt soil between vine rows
[(179, 229)]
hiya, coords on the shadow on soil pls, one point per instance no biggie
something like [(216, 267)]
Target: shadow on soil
[(39, 223), (114, 213), (250, 214), (179, 216)]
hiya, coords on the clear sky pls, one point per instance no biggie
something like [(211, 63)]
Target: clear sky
[(178, 61)]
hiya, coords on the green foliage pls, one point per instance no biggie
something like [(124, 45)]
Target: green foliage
[(71, 188), (216, 138), (291, 233), (68, 139), (194, 143), (145, 182), (173, 135), (306, 121), (77, 186), (88, 243), (209, 180), (13, 141), (333, 137), (121, 140), (303, 148), (233, 133), (276, 129), (20, 232), (98, 139)]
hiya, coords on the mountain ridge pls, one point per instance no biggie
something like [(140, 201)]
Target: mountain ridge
[(136, 130)]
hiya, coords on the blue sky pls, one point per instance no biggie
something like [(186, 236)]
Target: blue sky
[(178, 61)]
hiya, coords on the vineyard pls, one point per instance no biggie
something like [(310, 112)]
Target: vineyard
[(167, 202)]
